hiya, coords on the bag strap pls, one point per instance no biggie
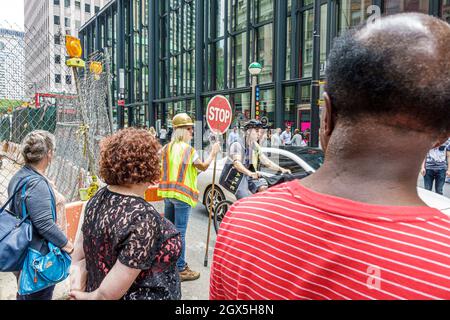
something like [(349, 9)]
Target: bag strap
[(16, 191)]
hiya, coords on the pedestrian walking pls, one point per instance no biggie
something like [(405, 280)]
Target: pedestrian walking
[(275, 139), (297, 139), (233, 136), (126, 250), (152, 131), (286, 137), (38, 149), (435, 168), (178, 184), (356, 228), (163, 135)]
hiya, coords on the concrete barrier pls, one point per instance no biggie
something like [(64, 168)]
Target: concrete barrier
[(73, 215)]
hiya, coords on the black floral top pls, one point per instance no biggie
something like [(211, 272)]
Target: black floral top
[(128, 229)]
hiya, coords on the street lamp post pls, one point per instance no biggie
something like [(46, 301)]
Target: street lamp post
[(255, 69)]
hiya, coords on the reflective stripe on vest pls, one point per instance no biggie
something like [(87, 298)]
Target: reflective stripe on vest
[(179, 188), (188, 153)]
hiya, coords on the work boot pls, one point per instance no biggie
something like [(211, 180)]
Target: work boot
[(189, 275)]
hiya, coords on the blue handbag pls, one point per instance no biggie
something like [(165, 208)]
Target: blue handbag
[(42, 271), (15, 234)]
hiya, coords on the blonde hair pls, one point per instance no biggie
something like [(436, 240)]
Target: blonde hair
[(180, 134), (152, 131), (36, 145)]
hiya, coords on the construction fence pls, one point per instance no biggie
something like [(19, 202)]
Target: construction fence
[(41, 93)]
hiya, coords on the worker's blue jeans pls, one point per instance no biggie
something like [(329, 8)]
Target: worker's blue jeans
[(178, 213)]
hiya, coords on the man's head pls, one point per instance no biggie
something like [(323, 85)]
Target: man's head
[(394, 72), (288, 129)]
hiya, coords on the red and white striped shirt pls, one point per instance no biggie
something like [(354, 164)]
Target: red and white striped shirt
[(292, 243)]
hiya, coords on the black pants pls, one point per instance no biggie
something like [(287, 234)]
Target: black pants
[(46, 294)]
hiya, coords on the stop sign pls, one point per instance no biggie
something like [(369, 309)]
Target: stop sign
[(219, 114)]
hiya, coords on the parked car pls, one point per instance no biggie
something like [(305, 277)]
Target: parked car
[(435, 200), (298, 160)]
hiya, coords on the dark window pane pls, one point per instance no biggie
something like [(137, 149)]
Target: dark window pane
[(239, 61), (57, 39), (56, 2), (96, 9), (67, 22), (307, 45), (264, 10), (67, 3), (220, 64), (265, 51), (56, 20), (352, 13), (68, 79), (57, 78), (77, 4), (289, 40), (397, 6), (87, 7), (446, 10), (57, 59), (237, 14)]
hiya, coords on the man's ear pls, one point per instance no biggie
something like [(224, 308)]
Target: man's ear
[(328, 121)]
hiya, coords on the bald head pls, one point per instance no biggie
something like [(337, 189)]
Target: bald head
[(396, 70)]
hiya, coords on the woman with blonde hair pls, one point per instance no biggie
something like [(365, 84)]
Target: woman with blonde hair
[(178, 184), (152, 131)]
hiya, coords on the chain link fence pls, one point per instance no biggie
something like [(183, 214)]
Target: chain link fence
[(38, 91)]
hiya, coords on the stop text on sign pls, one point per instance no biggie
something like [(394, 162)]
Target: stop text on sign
[(219, 114)]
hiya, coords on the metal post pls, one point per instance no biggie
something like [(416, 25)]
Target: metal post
[(131, 87), (253, 110), (109, 97), (199, 60), (120, 55), (280, 54), (152, 54), (315, 90)]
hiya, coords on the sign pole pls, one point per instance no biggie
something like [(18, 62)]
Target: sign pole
[(218, 117), (205, 263)]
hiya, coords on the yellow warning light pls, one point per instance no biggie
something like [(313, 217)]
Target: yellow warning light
[(96, 68), (73, 47), (74, 50)]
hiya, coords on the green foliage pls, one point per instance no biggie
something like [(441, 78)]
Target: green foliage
[(5, 104)]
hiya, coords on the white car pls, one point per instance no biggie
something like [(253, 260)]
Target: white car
[(302, 159)]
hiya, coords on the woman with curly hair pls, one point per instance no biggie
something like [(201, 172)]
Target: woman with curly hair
[(128, 250)]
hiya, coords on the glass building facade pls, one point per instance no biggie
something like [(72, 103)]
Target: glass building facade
[(177, 54)]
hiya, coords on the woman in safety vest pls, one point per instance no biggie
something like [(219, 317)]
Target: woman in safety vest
[(178, 185)]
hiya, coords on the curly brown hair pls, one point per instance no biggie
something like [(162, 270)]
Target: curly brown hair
[(130, 156)]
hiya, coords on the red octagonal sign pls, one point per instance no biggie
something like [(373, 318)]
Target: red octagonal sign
[(219, 114)]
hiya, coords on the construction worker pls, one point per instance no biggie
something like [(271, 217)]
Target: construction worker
[(178, 184)]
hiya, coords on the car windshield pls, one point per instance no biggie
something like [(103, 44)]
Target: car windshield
[(313, 156)]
